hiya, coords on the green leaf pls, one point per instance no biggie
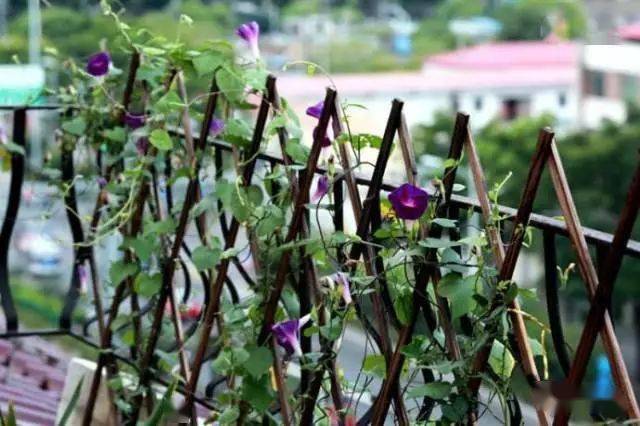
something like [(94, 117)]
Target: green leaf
[(14, 148), (10, 420), (403, 306), (142, 246), (147, 285), (129, 337), (459, 291), (158, 228), (120, 270), (163, 407), (438, 243), (433, 390), (117, 134), (229, 416), (160, 139), (208, 62), (256, 78), (375, 365), (364, 140), (445, 223), (456, 411), (278, 122), (72, 403), (259, 361), (205, 257), (271, 220), (230, 84), (238, 132), (257, 392), (416, 348), (75, 126), (298, 152), (223, 364), (169, 103), (501, 360)]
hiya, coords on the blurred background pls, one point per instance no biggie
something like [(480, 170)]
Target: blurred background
[(513, 65)]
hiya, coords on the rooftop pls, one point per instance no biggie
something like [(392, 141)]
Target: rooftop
[(629, 32), (513, 54), (494, 66)]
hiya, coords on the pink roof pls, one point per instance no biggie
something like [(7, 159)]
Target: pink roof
[(497, 56), (629, 32), (491, 66)]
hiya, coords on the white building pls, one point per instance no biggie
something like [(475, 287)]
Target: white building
[(490, 81), (611, 78)]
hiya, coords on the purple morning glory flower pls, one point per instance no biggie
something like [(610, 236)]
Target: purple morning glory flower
[(216, 127), (342, 280), (287, 334), (98, 64), (322, 187), (250, 32), (134, 121), (408, 201), (315, 111), (325, 142), (102, 182), (142, 145), (83, 276)]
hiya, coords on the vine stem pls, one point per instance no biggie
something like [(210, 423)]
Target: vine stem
[(391, 382), (134, 65), (169, 266), (309, 274), (212, 309), (541, 155)]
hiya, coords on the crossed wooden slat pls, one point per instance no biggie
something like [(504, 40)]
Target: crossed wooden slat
[(586, 268), (598, 318)]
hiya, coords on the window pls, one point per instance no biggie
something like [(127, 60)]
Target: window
[(477, 102), (562, 99), (513, 108), (594, 81), (630, 87)]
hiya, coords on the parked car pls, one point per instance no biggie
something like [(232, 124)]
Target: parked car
[(41, 254)]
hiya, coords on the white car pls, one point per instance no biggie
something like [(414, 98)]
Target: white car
[(42, 254)]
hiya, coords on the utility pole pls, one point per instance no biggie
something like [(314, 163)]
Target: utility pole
[(4, 11), (35, 31)]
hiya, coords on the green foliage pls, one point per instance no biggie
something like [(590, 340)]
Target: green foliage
[(535, 19), (10, 418), (168, 91)]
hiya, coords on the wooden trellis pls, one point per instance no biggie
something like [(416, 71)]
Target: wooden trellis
[(383, 325)]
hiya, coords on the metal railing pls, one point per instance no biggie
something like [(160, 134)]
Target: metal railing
[(599, 283)]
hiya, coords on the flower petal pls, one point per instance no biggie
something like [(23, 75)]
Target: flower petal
[(98, 64), (216, 127), (409, 202), (134, 121), (315, 111), (287, 335), (343, 281), (322, 187)]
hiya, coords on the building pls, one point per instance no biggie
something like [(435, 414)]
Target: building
[(610, 78), (490, 81)]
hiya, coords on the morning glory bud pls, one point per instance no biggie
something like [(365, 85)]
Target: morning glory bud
[(98, 64), (250, 32)]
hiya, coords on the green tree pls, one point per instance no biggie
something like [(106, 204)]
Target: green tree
[(536, 19)]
